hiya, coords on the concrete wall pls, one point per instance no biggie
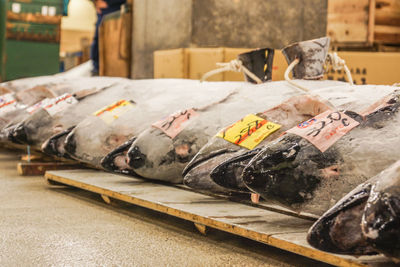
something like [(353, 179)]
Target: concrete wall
[(257, 23), (160, 24)]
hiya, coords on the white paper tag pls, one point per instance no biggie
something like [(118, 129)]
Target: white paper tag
[(52, 11), (32, 109), (8, 103), (60, 103), (45, 10), (16, 7)]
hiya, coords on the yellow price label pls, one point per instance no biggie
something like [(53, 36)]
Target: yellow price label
[(249, 131), (112, 112)]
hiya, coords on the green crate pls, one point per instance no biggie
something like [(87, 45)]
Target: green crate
[(44, 7), (17, 30), (27, 59)]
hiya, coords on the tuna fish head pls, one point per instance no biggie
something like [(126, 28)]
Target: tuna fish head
[(157, 156), (228, 172), (381, 218), (30, 130), (365, 221), (339, 229), (288, 170), (197, 172), (116, 160), (54, 146)]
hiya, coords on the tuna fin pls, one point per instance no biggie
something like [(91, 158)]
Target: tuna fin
[(50, 146), (87, 92)]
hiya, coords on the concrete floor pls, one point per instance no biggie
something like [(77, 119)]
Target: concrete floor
[(43, 225)]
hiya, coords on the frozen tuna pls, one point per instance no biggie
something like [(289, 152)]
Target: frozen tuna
[(365, 221), (223, 162), (99, 134), (60, 113), (166, 160), (317, 162)]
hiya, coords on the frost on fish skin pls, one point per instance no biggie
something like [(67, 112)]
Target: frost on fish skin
[(54, 146), (381, 218), (339, 229), (365, 221), (358, 155)]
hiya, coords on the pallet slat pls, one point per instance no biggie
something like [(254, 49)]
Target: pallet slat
[(272, 228)]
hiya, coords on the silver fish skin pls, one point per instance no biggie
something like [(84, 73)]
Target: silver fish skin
[(380, 222), (41, 125), (219, 164), (166, 160), (296, 174), (93, 139), (365, 221)]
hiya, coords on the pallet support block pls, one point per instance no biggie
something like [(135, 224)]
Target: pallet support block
[(39, 168)]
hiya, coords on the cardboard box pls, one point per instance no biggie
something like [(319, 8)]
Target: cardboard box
[(202, 60), (192, 63), (230, 54), (369, 67), (170, 64)]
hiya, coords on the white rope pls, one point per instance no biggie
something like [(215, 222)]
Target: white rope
[(233, 65), (339, 63), (288, 70), (333, 59)]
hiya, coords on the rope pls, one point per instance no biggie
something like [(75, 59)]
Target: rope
[(333, 59), (339, 63), (234, 65), (288, 70)]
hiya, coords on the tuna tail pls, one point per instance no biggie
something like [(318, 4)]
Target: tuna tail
[(109, 162), (312, 55), (259, 62), (339, 229), (228, 173), (51, 146)]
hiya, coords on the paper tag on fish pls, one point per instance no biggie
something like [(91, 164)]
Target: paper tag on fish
[(8, 103), (112, 112), (249, 131), (175, 123), (325, 129), (60, 103), (32, 109)]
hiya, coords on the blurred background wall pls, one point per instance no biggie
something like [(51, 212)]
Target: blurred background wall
[(229, 23)]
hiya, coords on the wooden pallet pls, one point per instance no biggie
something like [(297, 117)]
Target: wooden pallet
[(270, 227), (39, 168)]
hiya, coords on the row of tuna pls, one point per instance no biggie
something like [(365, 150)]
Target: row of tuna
[(302, 150)]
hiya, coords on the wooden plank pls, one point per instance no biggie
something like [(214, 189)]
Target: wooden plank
[(387, 34), (347, 20), (115, 48), (387, 12), (39, 168), (261, 225), (371, 21)]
